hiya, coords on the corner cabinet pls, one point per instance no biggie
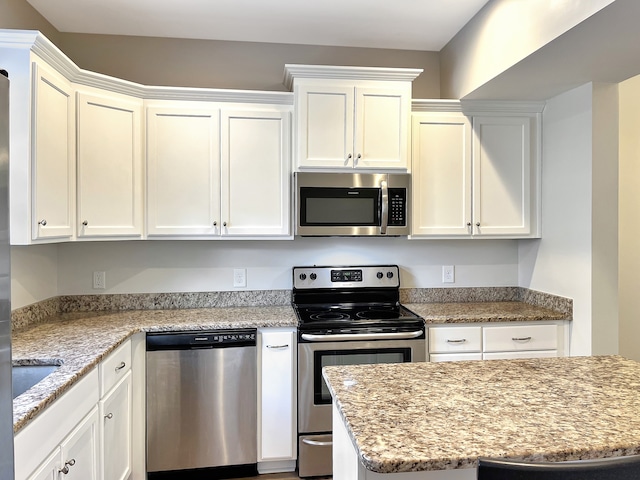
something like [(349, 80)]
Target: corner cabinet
[(476, 175), (277, 409), (350, 117)]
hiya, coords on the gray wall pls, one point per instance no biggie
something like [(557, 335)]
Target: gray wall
[(213, 64)]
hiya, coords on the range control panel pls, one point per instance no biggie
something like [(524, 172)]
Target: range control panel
[(346, 277)]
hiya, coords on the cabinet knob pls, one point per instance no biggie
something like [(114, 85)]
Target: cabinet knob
[(85, 223), (349, 157), (109, 416), (215, 224), (224, 224), (64, 470), (468, 224), (42, 222), (358, 157), (477, 224)]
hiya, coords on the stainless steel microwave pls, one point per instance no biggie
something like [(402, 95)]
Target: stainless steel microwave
[(352, 204)]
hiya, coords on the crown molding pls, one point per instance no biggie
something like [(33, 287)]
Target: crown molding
[(40, 45), (436, 105), (293, 71)]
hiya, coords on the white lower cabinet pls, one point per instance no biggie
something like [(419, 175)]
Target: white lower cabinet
[(277, 427), (115, 434), (77, 456), (502, 341)]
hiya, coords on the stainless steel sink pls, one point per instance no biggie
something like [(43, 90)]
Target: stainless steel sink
[(26, 376)]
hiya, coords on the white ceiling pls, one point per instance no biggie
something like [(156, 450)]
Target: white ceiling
[(400, 24)]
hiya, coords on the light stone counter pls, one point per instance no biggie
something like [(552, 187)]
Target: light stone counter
[(426, 417), (480, 312), (79, 341)]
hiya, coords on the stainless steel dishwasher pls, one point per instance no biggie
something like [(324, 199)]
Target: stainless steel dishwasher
[(201, 402)]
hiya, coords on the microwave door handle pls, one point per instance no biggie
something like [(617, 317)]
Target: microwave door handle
[(385, 207)]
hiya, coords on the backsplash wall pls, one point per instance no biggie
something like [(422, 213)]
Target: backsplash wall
[(205, 266)]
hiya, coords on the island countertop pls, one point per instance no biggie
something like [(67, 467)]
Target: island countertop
[(438, 416)]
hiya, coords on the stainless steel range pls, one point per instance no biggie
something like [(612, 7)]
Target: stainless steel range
[(346, 315)]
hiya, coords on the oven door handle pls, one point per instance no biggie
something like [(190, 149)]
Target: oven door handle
[(313, 337)]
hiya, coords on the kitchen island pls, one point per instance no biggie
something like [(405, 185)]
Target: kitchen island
[(433, 420)]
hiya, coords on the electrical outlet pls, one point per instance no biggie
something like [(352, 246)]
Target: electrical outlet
[(448, 274), (239, 277), (99, 280)]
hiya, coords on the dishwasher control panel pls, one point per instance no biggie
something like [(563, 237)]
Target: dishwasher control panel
[(204, 339)]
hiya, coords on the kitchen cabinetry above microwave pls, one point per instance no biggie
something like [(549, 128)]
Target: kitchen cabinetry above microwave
[(351, 118), (205, 180), (476, 176)]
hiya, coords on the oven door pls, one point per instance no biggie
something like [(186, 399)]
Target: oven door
[(314, 399)]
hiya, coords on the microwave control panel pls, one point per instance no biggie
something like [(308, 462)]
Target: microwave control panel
[(397, 206)]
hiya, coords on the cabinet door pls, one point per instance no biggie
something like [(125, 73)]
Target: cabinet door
[(502, 175), (80, 449), (255, 180), (382, 127), (324, 126), (276, 395), (109, 166), (49, 469), (183, 171), (441, 175), (115, 414), (53, 154)]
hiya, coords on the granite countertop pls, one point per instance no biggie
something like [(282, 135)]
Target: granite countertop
[(477, 312), (79, 341), (439, 416)]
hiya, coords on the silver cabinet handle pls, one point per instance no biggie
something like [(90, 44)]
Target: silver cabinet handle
[(85, 223), (121, 366), (520, 339), (64, 470), (275, 347), (109, 416), (316, 443), (42, 223), (461, 340)]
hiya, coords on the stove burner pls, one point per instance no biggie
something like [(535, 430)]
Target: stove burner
[(376, 313), (329, 316)]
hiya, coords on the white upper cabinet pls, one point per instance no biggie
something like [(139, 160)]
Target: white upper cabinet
[(475, 176), (109, 165), (53, 154), (441, 174), (218, 171), (502, 176), (183, 170), (255, 172), (351, 117)]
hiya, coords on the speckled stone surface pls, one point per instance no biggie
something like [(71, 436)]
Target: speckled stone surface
[(79, 341), (439, 416), (477, 312)]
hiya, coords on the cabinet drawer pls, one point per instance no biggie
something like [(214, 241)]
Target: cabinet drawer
[(455, 339), (521, 354), (520, 338), (114, 367), (454, 357)]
